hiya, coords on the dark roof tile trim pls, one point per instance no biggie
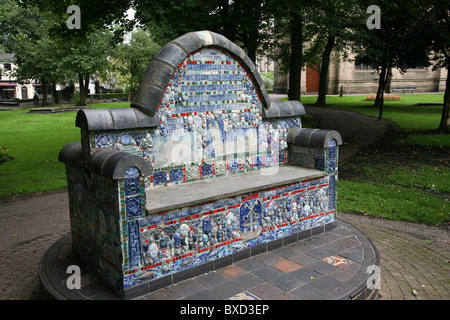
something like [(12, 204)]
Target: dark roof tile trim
[(109, 119), (106, 162), (313, 137)]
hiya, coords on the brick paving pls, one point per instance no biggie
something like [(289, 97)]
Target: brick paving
[(19, 267), (407, 263)]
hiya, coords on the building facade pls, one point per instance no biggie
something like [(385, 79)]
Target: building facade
[(10, 89), (357, 78)]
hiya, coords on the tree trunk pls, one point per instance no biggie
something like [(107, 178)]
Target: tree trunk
[(384, 76), (323, 77), (86, 86), (379, 95), (251, 46), (444, 126), (54, 93), (129, 91), (295, 63), (229, 25), (82, 92), (44, 94)]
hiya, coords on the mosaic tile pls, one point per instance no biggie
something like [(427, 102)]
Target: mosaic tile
[(338, 261), (245, 296)]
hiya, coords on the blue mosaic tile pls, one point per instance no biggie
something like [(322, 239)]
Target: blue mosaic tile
[(133, 206), (332, 193), (134, 246), (250, 215), (182, 214), (258, 161), (207, 169), (125, 139), (132, 186), (132, 172), (233, 165), (160, 177), (104, 140), (176, 175), (154, 220)]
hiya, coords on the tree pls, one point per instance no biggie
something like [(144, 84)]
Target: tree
[(95, 15), (24, 33), (335, 21), (49, 57), (432, 19), (84, 56), (397, 44), (239, 21), (285, 38), (132, 59)]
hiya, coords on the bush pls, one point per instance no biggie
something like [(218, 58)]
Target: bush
[(4, 157), (268, 79), (76, 99), (387, 97)]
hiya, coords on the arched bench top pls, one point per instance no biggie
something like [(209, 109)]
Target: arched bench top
[(166, 61)]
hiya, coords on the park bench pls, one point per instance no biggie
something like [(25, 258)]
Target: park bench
[(202, 170), (404, 89)]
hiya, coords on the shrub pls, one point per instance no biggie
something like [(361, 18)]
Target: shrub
[(387, 97), (268, 80), (76, 99), (4, 157)]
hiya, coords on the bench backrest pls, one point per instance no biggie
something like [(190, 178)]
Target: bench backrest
[(201, 111)]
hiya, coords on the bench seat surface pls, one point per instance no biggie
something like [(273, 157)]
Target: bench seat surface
[(188, 194)]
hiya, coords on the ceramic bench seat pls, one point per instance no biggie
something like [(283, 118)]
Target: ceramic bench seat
[(203, 191)]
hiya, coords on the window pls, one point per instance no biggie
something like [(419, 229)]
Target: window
[(360, 65), (7, 66)]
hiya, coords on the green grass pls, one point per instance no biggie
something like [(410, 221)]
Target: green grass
[(416, 193), (34, 140), (392, 202)]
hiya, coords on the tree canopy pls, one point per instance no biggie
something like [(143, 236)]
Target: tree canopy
[(293, 33)]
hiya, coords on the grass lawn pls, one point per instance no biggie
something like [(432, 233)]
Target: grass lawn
[(34, 140), (410, 181)]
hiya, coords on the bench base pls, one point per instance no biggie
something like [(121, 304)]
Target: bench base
[(337, 239)]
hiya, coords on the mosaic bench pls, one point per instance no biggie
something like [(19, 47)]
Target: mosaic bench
[(201, 171)]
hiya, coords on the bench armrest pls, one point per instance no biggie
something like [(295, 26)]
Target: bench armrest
[(105, 162), (313, 148), (307, 137)]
